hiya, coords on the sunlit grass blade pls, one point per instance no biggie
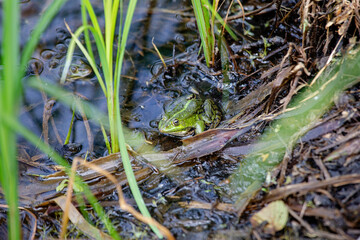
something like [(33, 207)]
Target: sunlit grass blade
[(103, 49), (93, 17)]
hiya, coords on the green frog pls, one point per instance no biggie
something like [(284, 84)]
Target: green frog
[(188, 114), (78, 69)]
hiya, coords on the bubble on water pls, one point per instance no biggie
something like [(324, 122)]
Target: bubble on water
[(61, 34), (35, 66), (47, 54)]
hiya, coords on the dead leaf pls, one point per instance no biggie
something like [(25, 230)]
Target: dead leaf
[(276, 215), (79, 221)]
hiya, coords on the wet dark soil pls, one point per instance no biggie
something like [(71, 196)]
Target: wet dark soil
[(276, 54)]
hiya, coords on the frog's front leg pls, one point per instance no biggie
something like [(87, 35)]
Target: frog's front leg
[(199, 126)]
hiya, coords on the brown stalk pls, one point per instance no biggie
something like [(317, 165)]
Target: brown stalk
[(69, 192), (122, 203)]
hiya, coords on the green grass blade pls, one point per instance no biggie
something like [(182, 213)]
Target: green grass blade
[(9, 105), (67, 139), (107, 143), (205, 13), (9, 100), (10, 57), (86, 32), (108, 16), (17, 127), (207, 18), (117, 73), (93, 18), (70, 100), (219, 18), (199, 15)]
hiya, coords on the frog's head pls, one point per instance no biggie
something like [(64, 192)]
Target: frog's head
[(78, 69), (174, 126), (180, 117)]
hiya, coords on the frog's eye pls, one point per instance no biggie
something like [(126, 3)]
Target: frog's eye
[(176, 122), (73, 69)]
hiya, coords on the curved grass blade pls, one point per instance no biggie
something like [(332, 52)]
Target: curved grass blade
[(93, 18), (70, 100)]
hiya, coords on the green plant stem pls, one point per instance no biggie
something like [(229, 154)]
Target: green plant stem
[(218, 17), (9, 105)]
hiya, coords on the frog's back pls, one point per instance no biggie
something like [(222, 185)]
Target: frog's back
[(182, 106), (190, 108)]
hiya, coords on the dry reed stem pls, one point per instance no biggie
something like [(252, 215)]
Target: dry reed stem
[(122, 203), (69, 192)]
